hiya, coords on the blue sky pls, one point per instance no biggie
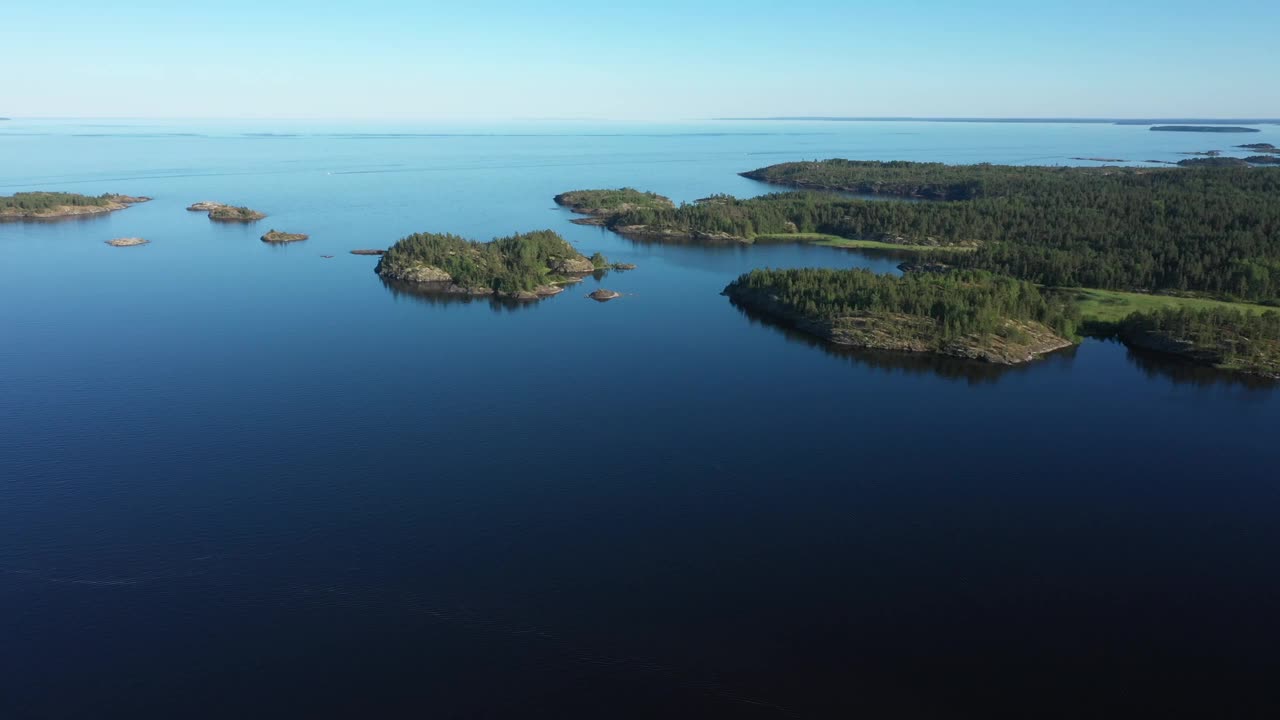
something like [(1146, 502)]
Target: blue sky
[(656, 60)]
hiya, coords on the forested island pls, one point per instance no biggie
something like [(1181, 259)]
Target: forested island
[(1204, 128), (227, 213), (970, 314), (525, 266), (276, 236), (1214, 161), (53, 205)]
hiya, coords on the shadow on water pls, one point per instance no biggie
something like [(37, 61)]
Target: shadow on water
[(1185, 372), (58, 220), (436, 294), (973, 372)]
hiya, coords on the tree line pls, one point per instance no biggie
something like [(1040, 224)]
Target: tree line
[(960, 302), (1232, 338), (1214, 231), (36, 201)]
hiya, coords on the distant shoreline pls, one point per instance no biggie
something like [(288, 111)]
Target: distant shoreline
[(1204, 128), (1094, 121)]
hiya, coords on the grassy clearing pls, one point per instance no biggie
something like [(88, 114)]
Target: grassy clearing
[(1112, 306), (837, 241)]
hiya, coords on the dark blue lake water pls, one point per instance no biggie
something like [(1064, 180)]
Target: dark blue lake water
[(240, 480)]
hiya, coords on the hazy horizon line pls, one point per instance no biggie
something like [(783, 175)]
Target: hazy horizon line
[(651, 121)]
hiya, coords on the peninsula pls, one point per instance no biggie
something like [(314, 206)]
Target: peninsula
[(1204, 128), (526, 266), (969, 314), (1224, 338), (601, 205), (1213, 161), (1129, 229), (227, 213), (54, 205), (723, 219), (275, 236)]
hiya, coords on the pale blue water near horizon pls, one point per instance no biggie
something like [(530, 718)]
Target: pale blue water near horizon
[(246, 480)]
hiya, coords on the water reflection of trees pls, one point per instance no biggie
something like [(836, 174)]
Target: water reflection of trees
[(1185, 372), (434, 294), (974, 372)]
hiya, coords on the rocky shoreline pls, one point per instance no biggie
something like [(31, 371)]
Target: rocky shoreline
[(227, 213), (647, 232), (1166, 344), (905, 333), (110, 203), (451, 265), (276, 236), (449, 287)]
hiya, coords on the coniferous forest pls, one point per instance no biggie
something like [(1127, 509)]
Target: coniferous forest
[(37, 201), (1227, 338), (520, 262), (1213, 231), (962, 302)]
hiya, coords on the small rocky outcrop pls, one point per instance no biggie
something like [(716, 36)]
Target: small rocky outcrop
[(127, 199), (227, 213), (127, 242), (368, 252), (603, 295), (275, 236), (571, 265), (537, 293), (623, 266), (416, 272)]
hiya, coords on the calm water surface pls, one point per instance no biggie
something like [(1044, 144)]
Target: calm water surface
[(239, 480)]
